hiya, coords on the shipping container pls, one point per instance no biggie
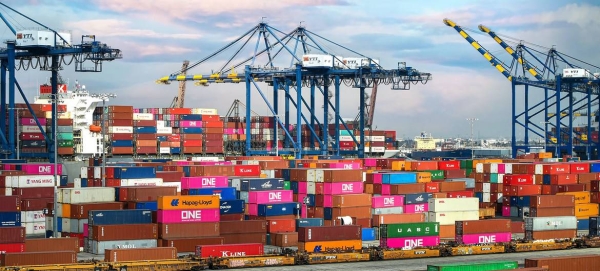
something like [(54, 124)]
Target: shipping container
[(113, 217), (123, 232), (568, 263), (247, 226), (482, 226), (98, 247), (237, 206), (483, 238), (409, 242), (409, 230), (477, 266), (550, 223), (33, 204), (138, 194), (238, 238), (186, 245), (450, 218), (52, 244), (140, 254), (545, 212), (416, 198), (329, 245), (237, 250), (547, 235), (87, 195), (188, 230), (261, 184), (188, 216), (331, 233), (81, 211), (387, 201), (10, 219), (10, 248), (38, 258), (552, 201), (453, 204), (379, 220), (309, 222), (281, 225), (10, 203), (188, 202)]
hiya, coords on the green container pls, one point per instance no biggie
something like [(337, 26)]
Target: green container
[(469, 171), (65, 143), (287, 185), (477, 266), (494, 178), (410, 229), (436, 174), (64, 136), (468, 164)]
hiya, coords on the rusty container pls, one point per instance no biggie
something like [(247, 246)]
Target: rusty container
[(452, 186), (552, 201), (123, 232), (81, 211), (286, 239), (38, 258), (354, 200), (482, 226), (140, 254), (401, 189), (569, 263), (544, 212), (52, 244), (185, 245), (148, 193), (378, 220), (331, 233), (342, 175), (242, 238), (188, 230), (546, 235), (358, 212), (10, 204), (247, 226), (34, 204), (11, 235)]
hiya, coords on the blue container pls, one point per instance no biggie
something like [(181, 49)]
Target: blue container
[(49, 234), (469, 182), (399, 178), (520, 201), (594, 226), (312, 199), (236, 206), (594, 167), (84, 182), (286, 173), (368, 234), (148, 205), (33, 143), (13, 161), (417, 198), (64, 180), (161, 160), (186, 171), (309, 222), (479, 195), (276, 209), (60, 223), (117, 193), (225, 193), (122, 143), (328, 213), (583, 224), (144, 130), (294, 186), (261, 184), (190, 130), (191, 117), (161, 138), (119, 217), (10, 219), (135, 172), (176, 150)]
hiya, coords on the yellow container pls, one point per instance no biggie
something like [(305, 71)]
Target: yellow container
[(581, 197), (586, 210), (398, 165), (188, 202), (407, 166), (423, 177), (544, 155)]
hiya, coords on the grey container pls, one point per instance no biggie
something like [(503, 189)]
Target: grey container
[(387, 211), (244, 196), (99, 247), (64, 129), (552, 223), (77, 225)]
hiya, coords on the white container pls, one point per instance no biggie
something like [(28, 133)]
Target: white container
[(449, 218), (34, 228), (164, 150), (453, 204), (143, 116), (319, 176), (576, 73), (164, 130), (205, 159), (30, 181), (317, 61), (59, 209), (77, 182), (121, 130), (346, 138), (487, 188), (98, 248), (87, 195), (49, 223), (97, 172), (64, 115), (160, 124), (487, 197), (375, 138), (508, 168), (42, 38), (268, 173), (311, 188), (30, 129), (172, 184), (142, 182), (387, 211), (32, 216), (375, 149), (83, 172), (552, 223), (501, 177), (204, 111)]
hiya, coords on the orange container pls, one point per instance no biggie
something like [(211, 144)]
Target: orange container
[(452, 186), (354, 200), (326, 245), (193, 202), (281, 225), (423, 177), (563, 179), (447, 231), (145, 143), (378, 220)]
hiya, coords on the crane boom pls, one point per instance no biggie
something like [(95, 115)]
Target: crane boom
[(491, 58), (511, 51), (371, 113), (180, 98)]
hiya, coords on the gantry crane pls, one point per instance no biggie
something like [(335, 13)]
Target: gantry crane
[(558, 86), (312, 66), (180, 98), (47, 50)]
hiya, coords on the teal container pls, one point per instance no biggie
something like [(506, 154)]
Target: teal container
[(477, 266), (345, 133), (64, 136), (494, 178)]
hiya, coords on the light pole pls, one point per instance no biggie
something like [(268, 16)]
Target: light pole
[(55, 102), (472, 121), (104, 97), (19, 137)]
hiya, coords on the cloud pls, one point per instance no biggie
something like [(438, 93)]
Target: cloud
[(121, 28)]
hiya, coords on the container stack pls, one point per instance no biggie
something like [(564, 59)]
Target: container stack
[(110, 229), (12, 239), (234, 134), (556, 227), (213, 134), (447, 211), (322, 239), (120, 128), (246, 231), (187, 221), (330, 182), (483, 231), (409, 235), (549, 205), (64, 136), (237, 250), (145, 135), (32, 139)]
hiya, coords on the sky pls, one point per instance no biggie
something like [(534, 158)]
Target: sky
[(156, 36)]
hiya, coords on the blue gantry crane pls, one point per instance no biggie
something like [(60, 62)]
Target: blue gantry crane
[(312, 65), (48, 50), (561, 78)]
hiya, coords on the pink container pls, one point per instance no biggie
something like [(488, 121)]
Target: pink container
[(274, 196), (327, 200), (31, 122), (304, 211), (85, 230), (501, 168), (188, 216), (377, 178), (345, 165), (40, 169), (506, 211), (342, 188), (386, 189), (184, 163), (416, 208), (220, 163), (190, 123), (410, 242), (387, 201), (253, 209), (370, 162), (484, 238), (307, 188), (204, 182)]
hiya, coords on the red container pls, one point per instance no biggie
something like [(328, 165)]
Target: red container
[(81, 211), (9, 248), (236, 250), (563, 179), (455, 173), (247, 226), (460, 194), (482, 226), (10, 203), (189, 244), (33, 193), (557, 168), (432, 187), (147, 193), (232, 217), (332, 233), (567, 188), (449, 165), (240, 238), (52, 244), (552, 201), (281, 225), (580, 168), (518, 179), (189, 230), (140, 254), (548, 212), (38, 258), (123, 232), (9, 235), (247, 170), (569, 263), (35, 204)]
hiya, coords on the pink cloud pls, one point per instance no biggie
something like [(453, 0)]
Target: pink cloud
[(121, 28)]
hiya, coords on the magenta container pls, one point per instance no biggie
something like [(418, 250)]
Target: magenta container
[(506, 211), (184, 163), (501, 168), (345, 165), (387, 201), (386, 189), (209, 163), (85, 230), (377, 178), (327, 200), (274, 196), (204, 182), (253, 209), (416, 208), (484, 238), (40, 169), (31, 122), (303, 187), (188, 216), (342, 188), (304, 212), (410, 242), (370, 162), (190, 123)]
